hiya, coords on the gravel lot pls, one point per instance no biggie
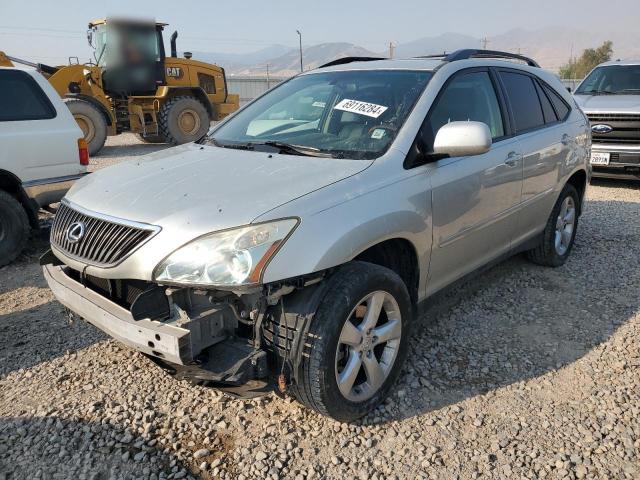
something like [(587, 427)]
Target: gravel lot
[(521, 372)]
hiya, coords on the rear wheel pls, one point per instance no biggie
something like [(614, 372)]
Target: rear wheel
[(560, 231), (91, 121), (183, 119), (14, 228), (357, 342)]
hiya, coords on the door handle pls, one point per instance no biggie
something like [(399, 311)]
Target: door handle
[(512, 159), (565, 139)]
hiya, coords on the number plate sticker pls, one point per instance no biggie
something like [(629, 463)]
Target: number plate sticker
[(598, 158), (362, 108)]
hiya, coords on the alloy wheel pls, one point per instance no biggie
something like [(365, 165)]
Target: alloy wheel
[(368, 346), (565, 224)]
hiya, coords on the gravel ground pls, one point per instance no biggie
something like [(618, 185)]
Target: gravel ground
[(521, 372)]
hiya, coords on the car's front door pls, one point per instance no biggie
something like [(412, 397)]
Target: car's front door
[(474, 199)]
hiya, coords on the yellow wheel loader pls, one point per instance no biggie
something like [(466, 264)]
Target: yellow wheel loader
[(133, 86)]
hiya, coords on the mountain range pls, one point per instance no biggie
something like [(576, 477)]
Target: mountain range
[(551, 47)]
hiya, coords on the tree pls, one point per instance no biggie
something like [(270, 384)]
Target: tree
[(578, 68)]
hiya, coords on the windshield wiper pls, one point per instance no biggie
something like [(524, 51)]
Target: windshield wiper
[(595, 92), (294, 149), (281, 146)]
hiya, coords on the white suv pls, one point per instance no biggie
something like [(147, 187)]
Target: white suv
[(41, 154)]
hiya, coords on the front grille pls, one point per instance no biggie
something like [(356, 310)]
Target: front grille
[(613, 117), (615, 140), (625, 128), (105, 242)]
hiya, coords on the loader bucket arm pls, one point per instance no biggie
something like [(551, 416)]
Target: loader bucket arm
[(7, 61)]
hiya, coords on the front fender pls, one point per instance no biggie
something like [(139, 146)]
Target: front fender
[(342, 220)]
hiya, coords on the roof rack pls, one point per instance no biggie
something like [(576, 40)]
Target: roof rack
[(463, 54), (342, 61), (468, 53)]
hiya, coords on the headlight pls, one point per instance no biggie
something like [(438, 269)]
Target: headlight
[(230, 257)]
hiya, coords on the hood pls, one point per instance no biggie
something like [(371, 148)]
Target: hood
[(609, 103), (198, 189)]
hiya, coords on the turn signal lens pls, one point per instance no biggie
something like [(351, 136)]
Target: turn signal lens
[(83, 152)]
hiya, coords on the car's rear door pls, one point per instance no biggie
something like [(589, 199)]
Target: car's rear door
[(545, 141), (474, 199)]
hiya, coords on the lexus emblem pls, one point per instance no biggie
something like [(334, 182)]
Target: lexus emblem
[(601, 128), (75, 232)]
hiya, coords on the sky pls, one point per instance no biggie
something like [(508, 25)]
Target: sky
[(52, 30)]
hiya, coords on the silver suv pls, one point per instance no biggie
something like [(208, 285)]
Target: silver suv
[(610, 96), (291, 248)]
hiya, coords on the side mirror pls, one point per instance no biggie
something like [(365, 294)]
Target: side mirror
[(462, 139)]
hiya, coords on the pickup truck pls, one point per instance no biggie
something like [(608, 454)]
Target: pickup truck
[(610, 97), (42, 152)]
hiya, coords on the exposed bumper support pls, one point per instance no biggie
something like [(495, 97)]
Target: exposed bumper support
[(232, 365), (153, 338)]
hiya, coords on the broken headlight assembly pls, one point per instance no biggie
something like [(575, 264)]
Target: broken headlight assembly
[(227, 258)]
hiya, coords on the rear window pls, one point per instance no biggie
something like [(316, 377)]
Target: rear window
[(21, 98), (524, 101)]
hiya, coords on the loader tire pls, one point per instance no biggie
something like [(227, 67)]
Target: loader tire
[(14, 228), (91, 121), (183, 119), (151, 138)]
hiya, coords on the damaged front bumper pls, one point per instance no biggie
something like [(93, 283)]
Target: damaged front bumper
[(223, 361)]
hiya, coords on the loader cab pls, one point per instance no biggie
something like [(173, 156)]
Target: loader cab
[(131, 55)]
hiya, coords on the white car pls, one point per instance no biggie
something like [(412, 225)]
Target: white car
[(42, 152)]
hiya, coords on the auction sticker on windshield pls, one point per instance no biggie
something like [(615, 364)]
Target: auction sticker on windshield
[(362, 108)]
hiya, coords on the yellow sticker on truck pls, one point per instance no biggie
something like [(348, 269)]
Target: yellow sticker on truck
[(362, 108)]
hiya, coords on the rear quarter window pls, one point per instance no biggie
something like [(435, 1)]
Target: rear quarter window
[(560, 106), (21, 98)]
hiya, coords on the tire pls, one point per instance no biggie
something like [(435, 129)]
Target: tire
[(548, 253), (14, 228), (183, 119), (91, 121), (151, 138), (325, 357)]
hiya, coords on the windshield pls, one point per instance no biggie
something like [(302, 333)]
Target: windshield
[(354, 114), (612, 79), (125, 45)]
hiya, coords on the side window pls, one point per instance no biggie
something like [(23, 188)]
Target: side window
[(561, 107), (21, 98), (547, 108), (469, 96), (524, 101)]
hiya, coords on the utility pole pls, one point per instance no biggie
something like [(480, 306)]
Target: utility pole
[(392, 49), (300, 38), (484, 42), (571, 63), (268, 84)]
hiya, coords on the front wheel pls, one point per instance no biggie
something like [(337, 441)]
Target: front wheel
[(560, 231), (357, 342)]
